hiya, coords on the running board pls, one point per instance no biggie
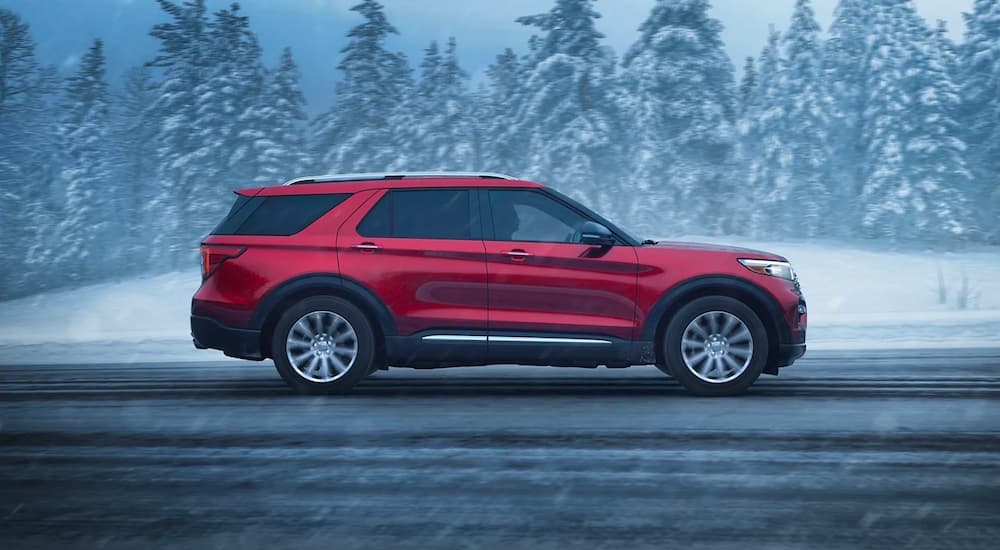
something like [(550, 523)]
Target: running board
[(514, 339)]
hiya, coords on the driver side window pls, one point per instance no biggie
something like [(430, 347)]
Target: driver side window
[(531, 216)]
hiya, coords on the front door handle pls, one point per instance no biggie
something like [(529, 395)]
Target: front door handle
[(367, 248), (517, 255)]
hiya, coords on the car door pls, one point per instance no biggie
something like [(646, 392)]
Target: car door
[(421, 252), (543, 287)]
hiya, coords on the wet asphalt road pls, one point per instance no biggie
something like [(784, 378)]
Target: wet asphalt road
[(843, 450)]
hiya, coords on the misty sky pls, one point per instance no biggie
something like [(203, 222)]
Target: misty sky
[(315, 29)]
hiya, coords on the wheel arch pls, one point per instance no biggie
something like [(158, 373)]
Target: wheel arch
[(755, 297), (275, 302)]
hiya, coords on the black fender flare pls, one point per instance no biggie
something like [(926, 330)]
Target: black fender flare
[(317, 284), (706, 285)]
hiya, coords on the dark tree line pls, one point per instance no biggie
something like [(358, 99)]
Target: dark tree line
[(883, 129)]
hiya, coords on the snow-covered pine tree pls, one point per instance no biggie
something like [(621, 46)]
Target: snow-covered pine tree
[(936, 168), (414, 152), (569, 119), (748, 84), (762, 146), (980, 109), (183, 47), (357, 135), (948, 49), (884, 115), (746, 147), (84, 228), (846, 63), (454, 134), (27, 173), (275, 126), (804, 210), (134, 137), (681, 103), (914, 170), (438, 131), (224, 101), (498, 105)]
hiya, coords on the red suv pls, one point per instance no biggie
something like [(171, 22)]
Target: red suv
[(334, 277)]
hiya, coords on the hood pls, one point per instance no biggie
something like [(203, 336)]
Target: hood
[(704, 247)]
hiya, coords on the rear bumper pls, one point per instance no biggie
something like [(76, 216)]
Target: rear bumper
[(234, 342)]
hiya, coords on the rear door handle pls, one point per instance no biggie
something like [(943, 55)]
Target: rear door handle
[(367, 248), (517, 255)]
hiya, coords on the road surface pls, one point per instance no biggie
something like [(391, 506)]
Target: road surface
[(843, 450)]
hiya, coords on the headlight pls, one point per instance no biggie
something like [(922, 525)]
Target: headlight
[(782, 270)]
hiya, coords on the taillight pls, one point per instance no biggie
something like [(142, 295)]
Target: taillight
[(212, 257)]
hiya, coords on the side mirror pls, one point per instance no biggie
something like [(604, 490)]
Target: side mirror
[(595, 234)]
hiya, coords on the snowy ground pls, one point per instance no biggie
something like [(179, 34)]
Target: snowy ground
[(859, 298)]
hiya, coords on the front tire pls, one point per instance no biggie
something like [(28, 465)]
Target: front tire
[(323, 345), (715, 346)]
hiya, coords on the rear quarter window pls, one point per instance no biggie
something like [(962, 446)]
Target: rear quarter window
[(276, 215)]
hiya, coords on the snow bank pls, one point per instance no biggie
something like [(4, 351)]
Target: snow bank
[(859, 297), (138, 320), (130, 311)]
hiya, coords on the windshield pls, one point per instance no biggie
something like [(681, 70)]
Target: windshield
[(630, 239)]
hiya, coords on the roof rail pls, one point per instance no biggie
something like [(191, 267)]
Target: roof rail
[(329, 178)]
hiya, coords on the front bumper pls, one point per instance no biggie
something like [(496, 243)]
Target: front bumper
[(788, 353), (234, 342)]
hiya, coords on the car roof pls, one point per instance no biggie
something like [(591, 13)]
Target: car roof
[(320, 185)]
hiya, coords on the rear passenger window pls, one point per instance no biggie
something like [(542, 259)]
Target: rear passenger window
[(276, 215), (422, 214)]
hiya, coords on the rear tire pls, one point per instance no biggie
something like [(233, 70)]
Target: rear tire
[(323, 345), (715, 346)]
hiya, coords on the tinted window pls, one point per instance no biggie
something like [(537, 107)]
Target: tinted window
[(422, 214), (282, 215), (243, 207), (377, 221), (522, 215)]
